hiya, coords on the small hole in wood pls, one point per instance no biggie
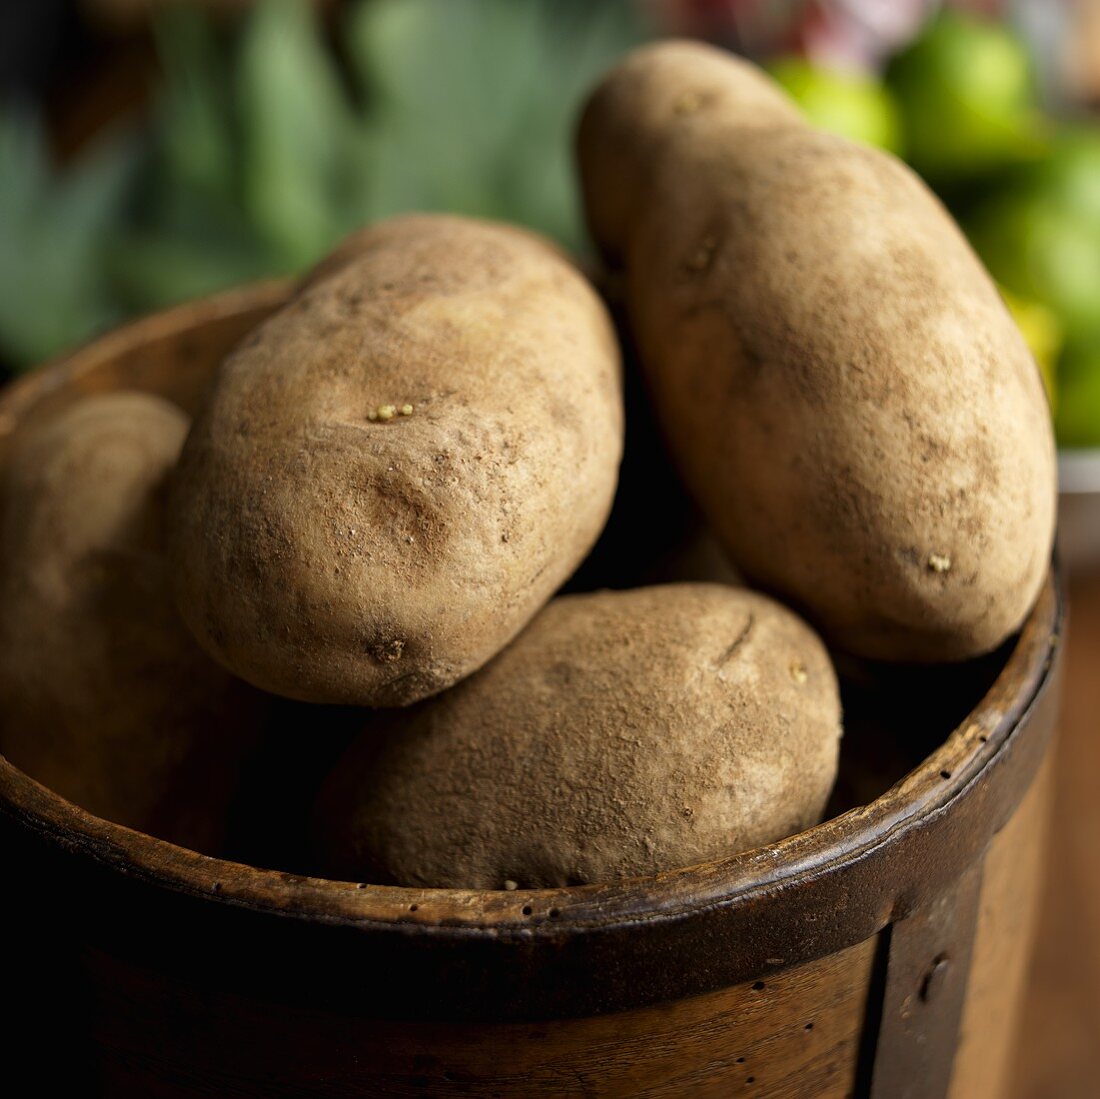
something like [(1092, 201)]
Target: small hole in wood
[(758, 987), (217, 887), (527, 910), (945, 774), (808, 1026), (555, 913), (935, 978), (413, 907), (983, 738), (740, 1060), (750, 1079)]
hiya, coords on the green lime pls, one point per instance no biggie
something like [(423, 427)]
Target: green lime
[(1069, 174), (1077, 420), (967, 99), (1044, 252), (849, 103)]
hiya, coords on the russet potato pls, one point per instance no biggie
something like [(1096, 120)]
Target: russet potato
[(104, 696), (838, 379), (394, 473), (622, 733)]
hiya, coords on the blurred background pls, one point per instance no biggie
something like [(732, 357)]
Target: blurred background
[(154, 152)]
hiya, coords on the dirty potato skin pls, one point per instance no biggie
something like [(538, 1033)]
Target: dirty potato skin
[(395, 472), (104, 696), (622, 733), (837, 376)]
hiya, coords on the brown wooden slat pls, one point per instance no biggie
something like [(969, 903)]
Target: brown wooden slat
[(1012, 887), (928, 964)]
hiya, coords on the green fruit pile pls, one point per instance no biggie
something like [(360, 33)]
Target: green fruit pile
[(961, 104)]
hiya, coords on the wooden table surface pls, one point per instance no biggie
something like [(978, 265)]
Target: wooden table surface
[(1059, 1040)]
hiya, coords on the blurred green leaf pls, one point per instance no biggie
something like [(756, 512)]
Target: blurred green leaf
[(23, 154), (472, 102), (53, 291), (191, 233), (162, 270), (297, 129), (193, 123), (257, 157)]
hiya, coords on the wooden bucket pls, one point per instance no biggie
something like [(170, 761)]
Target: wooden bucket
[(880, 954)]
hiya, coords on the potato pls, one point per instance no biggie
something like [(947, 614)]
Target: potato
[(840, 382), (394, 473), (623, 733), (104, 696)]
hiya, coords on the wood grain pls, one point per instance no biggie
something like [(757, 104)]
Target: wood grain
[(1012, 880), (1058, 1055), (794, 1036)]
